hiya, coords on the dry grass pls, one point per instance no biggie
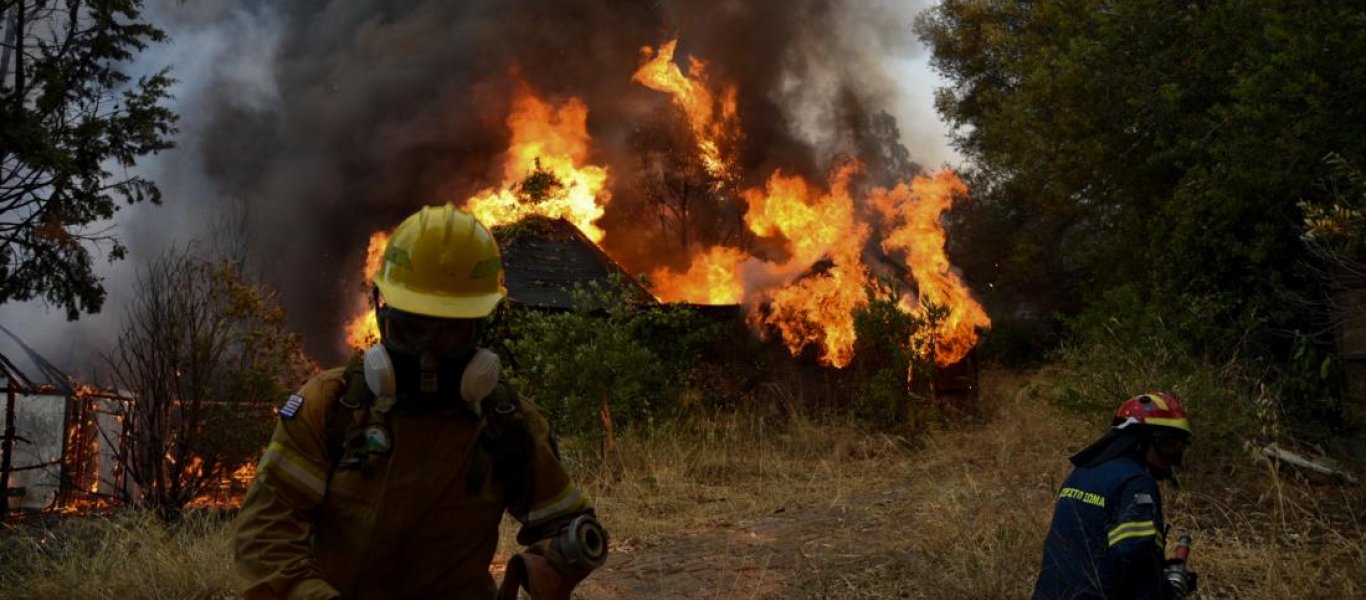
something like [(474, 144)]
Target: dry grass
[(127, 555), (754, 506)]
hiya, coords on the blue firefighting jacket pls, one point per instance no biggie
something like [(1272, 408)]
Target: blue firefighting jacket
[(1107, 538)]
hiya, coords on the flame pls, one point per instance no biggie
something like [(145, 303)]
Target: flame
[(228, 490), (810, 302), (363, 331), (544, 174), (817, 308), (549, 140), (913, 213), (712, 118), (713, 278)]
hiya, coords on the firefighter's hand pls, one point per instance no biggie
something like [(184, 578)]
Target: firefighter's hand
[(542, 580), (1192, 583)]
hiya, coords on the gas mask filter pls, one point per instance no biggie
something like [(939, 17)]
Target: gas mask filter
[(477, 381)]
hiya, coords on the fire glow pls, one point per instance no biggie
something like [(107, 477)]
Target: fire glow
[(363, 330), (826, 230)]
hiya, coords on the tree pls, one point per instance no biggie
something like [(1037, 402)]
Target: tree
[(1160, 146), (691, 207), (71, 123), (205, 355)]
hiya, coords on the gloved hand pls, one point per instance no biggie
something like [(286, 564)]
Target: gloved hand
[(534, 572), (1174, 589)]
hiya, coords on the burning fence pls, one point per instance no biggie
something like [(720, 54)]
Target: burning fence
[(61, 441), (810, 250)]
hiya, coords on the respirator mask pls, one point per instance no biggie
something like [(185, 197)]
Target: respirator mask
[(424, 362)]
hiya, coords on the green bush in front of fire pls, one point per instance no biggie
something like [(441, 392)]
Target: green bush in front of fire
[(612, 350)]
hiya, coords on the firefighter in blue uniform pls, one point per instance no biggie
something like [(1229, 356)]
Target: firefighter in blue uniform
[(1108, 536)]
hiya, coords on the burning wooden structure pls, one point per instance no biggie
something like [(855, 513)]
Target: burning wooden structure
[(544, 259), (61, 440)]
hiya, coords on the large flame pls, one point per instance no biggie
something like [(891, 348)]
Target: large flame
[(812, 302), (363, 331), (713, 278), (913, 214), (711, 117), (546, 140)]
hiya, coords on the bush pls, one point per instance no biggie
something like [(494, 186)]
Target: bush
[(1237, 389), (1122, 346), (636, 358), (893, 362)]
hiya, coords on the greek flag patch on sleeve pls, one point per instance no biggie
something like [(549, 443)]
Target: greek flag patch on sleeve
[(1143, 499), (291, 407)]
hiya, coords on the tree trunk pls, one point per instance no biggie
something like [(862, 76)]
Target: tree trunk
[(11, 23)]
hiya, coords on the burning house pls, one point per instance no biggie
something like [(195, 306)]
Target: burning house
[(61, 440), (799, 255)]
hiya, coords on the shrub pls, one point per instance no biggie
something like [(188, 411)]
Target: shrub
[(894, 362), (1122, 346), (613, 349)]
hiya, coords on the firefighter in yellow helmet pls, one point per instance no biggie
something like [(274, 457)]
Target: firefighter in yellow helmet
[(388, 478)]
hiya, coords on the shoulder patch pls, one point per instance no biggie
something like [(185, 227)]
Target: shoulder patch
[(1143, 499), (291, 407)]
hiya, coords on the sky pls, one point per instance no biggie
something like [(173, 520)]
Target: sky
[(230, 43)]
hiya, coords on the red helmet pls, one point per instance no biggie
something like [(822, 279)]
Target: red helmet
[(1159, 409)]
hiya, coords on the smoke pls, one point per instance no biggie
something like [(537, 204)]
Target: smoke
[(321, 121), (220, 54)]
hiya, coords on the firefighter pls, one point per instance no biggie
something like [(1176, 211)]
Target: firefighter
[(1108, 537), (388, 478)]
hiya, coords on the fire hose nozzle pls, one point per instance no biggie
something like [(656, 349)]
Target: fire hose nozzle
[(1178, 578), (584, 544)]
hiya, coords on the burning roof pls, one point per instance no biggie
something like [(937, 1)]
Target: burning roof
[(545, 259), (27, 368)]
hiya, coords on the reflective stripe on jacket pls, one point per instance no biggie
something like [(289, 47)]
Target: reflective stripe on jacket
[(415, 523), (1107, 537)]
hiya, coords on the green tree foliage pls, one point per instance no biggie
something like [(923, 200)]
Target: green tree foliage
[(611, 348), (1159, 145), (1122, 346), (1337, 228), (205, 355), (71, 123)]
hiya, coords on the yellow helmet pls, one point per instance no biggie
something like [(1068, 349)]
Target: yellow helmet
[(441, 262)]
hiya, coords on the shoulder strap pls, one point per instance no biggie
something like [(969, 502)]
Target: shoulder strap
[(504, 441), (355, 400)]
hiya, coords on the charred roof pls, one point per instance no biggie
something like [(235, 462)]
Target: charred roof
[(544, 259)]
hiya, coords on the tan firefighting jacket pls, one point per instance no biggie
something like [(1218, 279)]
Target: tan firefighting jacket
[(416, 520)]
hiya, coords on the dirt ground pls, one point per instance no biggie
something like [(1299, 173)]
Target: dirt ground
[(792, 553)]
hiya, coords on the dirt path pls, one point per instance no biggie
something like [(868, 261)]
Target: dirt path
[(793, 553)]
